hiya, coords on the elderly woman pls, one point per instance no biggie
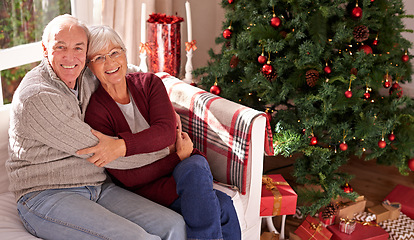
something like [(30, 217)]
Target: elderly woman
[(136, 108)]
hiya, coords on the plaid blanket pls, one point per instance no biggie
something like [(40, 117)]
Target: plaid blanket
[(219, 128)]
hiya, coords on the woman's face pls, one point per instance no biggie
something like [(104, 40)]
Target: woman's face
[(109, 65)]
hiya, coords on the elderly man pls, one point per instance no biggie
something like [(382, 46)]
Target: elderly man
[(60, 194)]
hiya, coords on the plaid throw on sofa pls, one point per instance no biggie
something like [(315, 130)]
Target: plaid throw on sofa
[(218, 127)]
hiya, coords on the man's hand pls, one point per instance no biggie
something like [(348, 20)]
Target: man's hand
[(107, 150)]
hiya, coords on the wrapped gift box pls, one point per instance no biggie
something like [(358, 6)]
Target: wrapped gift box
[(405, 196), (399, 229), (347, 209), (278, 198), (385, 211), (361, 232), (311, 228)]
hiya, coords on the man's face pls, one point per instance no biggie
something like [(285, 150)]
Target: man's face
[(66, 52)]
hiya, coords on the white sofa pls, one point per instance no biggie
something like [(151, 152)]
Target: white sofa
[(247, 205)]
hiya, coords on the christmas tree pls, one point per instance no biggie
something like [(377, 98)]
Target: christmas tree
[(328, 74)]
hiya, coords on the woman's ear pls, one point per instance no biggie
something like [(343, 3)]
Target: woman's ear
[(44, 50)]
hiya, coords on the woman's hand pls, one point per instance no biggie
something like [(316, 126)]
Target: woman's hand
[(184, 145), (179, 127), (107, 150)]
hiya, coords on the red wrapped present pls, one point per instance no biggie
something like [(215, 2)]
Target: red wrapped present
[(278, 198), (405, 196), (311, 228), (366, 232)]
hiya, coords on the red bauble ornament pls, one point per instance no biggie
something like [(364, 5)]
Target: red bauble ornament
[(367, 49), (215, 89), (327, 70), (367, 95), (411, 164), (375, 42), (343, 146), (348, 94), (405, 58), (262, 59), (391, 137), (275, 22), (382, 143), (356, 12), (347, 188), (231, 1), (397, 89), (267, 69), (387, 83), (227, 33), (313, 141)]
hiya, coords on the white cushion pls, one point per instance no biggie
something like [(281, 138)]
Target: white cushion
[(4, 142), (11, 228)]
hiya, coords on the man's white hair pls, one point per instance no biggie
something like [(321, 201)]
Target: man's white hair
[(62, 20)]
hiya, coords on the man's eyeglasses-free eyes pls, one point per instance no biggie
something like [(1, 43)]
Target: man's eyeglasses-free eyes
[(113, 54)]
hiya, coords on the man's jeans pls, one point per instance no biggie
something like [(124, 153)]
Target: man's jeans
[(209, 213), (98, 212)]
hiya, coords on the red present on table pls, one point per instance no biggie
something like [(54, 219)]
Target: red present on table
[(278, 198), (366, 232), (405, 196), (311, 228)]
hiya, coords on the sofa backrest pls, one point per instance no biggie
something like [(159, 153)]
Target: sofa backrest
[(4, 143)]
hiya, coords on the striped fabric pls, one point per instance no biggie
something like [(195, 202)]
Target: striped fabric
[(399, 229), (219, 128)]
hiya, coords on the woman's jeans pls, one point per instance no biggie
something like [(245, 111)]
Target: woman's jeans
[(97, 212), (208, 213)]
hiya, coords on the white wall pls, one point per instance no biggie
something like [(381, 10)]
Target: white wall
[(408, 88)]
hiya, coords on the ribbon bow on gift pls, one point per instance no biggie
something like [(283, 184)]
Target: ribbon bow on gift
[(144, 47), (270, 184), (190, 45), (347, 221), (316, 228)]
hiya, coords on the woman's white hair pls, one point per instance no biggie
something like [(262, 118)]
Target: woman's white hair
[(62, 20), (100, 37)]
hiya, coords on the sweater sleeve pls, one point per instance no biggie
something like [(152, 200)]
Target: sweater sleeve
[(98, 116), (50, 119), (154, 104)]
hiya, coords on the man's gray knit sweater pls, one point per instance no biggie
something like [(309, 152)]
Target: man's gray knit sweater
[(47, 128)]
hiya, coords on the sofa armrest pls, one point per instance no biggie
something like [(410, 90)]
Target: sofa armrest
[(219, 128)]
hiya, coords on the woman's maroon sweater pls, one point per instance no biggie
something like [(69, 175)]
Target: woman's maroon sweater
[(153, 181)]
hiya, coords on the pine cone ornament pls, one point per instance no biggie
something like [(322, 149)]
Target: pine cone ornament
[(330, 210), (234, 61), (272, 76), (361, 33), (312, 77)]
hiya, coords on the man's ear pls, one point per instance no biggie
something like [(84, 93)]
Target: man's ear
[(44, 50)]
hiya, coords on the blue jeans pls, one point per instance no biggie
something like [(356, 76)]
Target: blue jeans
[(97, 212), (208, 213)]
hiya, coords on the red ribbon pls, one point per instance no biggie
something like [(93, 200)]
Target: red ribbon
[(144, 47), (190, 45)]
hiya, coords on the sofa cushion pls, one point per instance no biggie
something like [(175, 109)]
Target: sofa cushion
[(11, 228), (4, 142)]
